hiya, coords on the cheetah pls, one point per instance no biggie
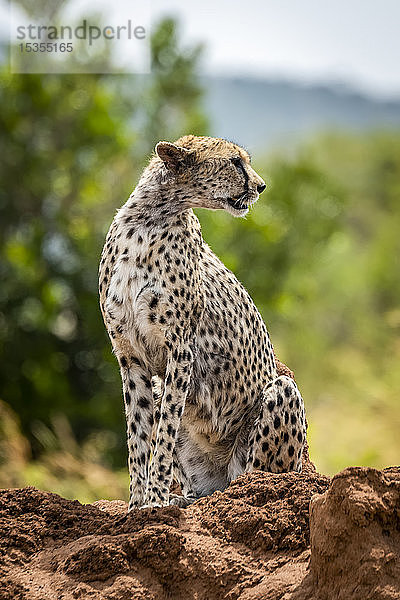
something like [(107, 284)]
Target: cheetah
[(203, 399)]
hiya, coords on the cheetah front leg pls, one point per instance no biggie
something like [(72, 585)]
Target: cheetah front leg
[(139, 420), (277, 439), (176, 385)]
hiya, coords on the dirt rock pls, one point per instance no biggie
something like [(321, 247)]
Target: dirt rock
[(355, 536), (253, 541)]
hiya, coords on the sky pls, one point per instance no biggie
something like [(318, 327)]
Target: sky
[(352, 41), (356, 42)]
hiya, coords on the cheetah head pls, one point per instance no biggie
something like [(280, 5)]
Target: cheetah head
[(210, 173)]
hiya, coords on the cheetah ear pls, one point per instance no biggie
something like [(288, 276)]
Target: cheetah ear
[(173, 156)]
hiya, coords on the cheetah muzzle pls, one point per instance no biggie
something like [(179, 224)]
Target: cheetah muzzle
[(203, 399), (241, 202)]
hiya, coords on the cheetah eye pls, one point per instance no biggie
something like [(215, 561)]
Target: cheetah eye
[(238, 164)]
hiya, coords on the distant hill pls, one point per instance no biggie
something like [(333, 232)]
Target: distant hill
[(265, 113)]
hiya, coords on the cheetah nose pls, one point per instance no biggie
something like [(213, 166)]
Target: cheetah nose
[(261, 188)]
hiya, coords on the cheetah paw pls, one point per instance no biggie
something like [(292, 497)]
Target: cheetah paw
[(152, 505), (181, 501)]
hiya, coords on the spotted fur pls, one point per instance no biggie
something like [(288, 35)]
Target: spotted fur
[(203, 399)]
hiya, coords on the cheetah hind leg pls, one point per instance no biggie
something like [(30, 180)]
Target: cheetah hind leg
[(277, 440)]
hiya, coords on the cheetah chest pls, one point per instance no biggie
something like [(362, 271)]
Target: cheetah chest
[(128, 305)]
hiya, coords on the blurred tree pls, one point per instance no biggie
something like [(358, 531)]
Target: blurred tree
[(72, 147), (168, 109)]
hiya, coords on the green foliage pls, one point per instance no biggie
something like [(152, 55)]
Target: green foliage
[(65, 467), (172, 106), (53, 177)]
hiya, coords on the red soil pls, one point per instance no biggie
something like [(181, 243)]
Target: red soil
[(290, 536)]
